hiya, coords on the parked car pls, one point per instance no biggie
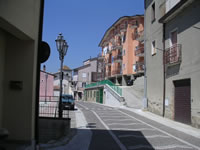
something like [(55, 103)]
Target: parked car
[(68, 101)]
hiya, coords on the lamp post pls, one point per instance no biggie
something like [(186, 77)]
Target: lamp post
[(62, 47)]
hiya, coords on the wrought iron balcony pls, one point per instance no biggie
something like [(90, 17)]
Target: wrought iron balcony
[(107, 62), (118, 58), (138, 67), (134, 24), (123, 27), (139, 51), (173, 55)]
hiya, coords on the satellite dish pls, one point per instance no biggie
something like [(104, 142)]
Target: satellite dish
[(44, 51)]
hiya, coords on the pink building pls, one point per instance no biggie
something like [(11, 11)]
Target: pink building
[(46, 83)]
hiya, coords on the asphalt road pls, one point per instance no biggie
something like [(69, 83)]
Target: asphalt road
[(116, 128)]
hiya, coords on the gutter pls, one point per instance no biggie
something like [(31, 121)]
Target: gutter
[(145, 100), (164, 72)]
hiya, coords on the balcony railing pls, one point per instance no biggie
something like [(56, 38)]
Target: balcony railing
[(118, 58), (109, 83), (108, 62), (134, 24), (139, 51), (173, 55), (123, 27), (108, 74), (117, 71), (138, 67), (139, 36), (49, 106)]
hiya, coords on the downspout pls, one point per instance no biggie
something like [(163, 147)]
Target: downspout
[(164, 81), (38, 73), (145, 100)]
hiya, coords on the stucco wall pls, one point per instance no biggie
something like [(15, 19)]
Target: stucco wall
[(21, 15), (2, 63), (188, 37), (46, 84), (154, 63), (20, 19)]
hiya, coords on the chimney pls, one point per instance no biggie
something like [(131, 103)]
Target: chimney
[(44, 68)]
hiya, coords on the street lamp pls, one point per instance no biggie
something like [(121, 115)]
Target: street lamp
[(62, 47)]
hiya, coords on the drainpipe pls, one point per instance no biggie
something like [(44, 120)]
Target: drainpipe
[(38, 73), (164, 81), (145, 100)]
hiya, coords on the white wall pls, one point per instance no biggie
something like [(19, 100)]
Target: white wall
[(110, 100)]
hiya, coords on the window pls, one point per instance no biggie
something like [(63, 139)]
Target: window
[(173, 38), (124, 66), (83, 84), (90, 93), (153, 13), (124, 37), (153, 48), (84, 75), (124, 52)]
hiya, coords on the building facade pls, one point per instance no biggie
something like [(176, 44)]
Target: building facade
[(172, 59), (86, 74), (46, 84), (66, 83), (123, 49), (19, 28)]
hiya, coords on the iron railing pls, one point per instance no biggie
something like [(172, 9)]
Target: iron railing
[(49, 106), (109, 83), (139, 51), (139, 67), (173, 54)]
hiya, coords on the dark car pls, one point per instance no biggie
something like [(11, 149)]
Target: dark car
[(68, 101)]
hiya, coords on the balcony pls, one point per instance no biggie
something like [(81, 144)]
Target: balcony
[(123, 28), (138, 67), (116, 46), (139, 51), (108, 62), (134, 24), (140, 36), (118, 71), (118, 58), (173, 55), (108, 74)]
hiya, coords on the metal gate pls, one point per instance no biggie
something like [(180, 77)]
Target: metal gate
[(182, 104)]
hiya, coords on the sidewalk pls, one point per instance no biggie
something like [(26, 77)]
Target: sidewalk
[(80, 140)]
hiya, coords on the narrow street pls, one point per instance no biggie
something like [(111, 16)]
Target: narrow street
[(117, 128)]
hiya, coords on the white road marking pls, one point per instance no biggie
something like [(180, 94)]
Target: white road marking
[(118, 120), (111, 133), (124, 124), (128, 129), (117, 117), (142, 136), (185, 142), (158, 147)]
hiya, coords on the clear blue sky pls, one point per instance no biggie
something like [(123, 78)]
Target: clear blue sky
[(83, 24)]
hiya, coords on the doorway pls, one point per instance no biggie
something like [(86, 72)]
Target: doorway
[(182, 104)]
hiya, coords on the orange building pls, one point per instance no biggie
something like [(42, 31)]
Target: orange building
[(123, 50)]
